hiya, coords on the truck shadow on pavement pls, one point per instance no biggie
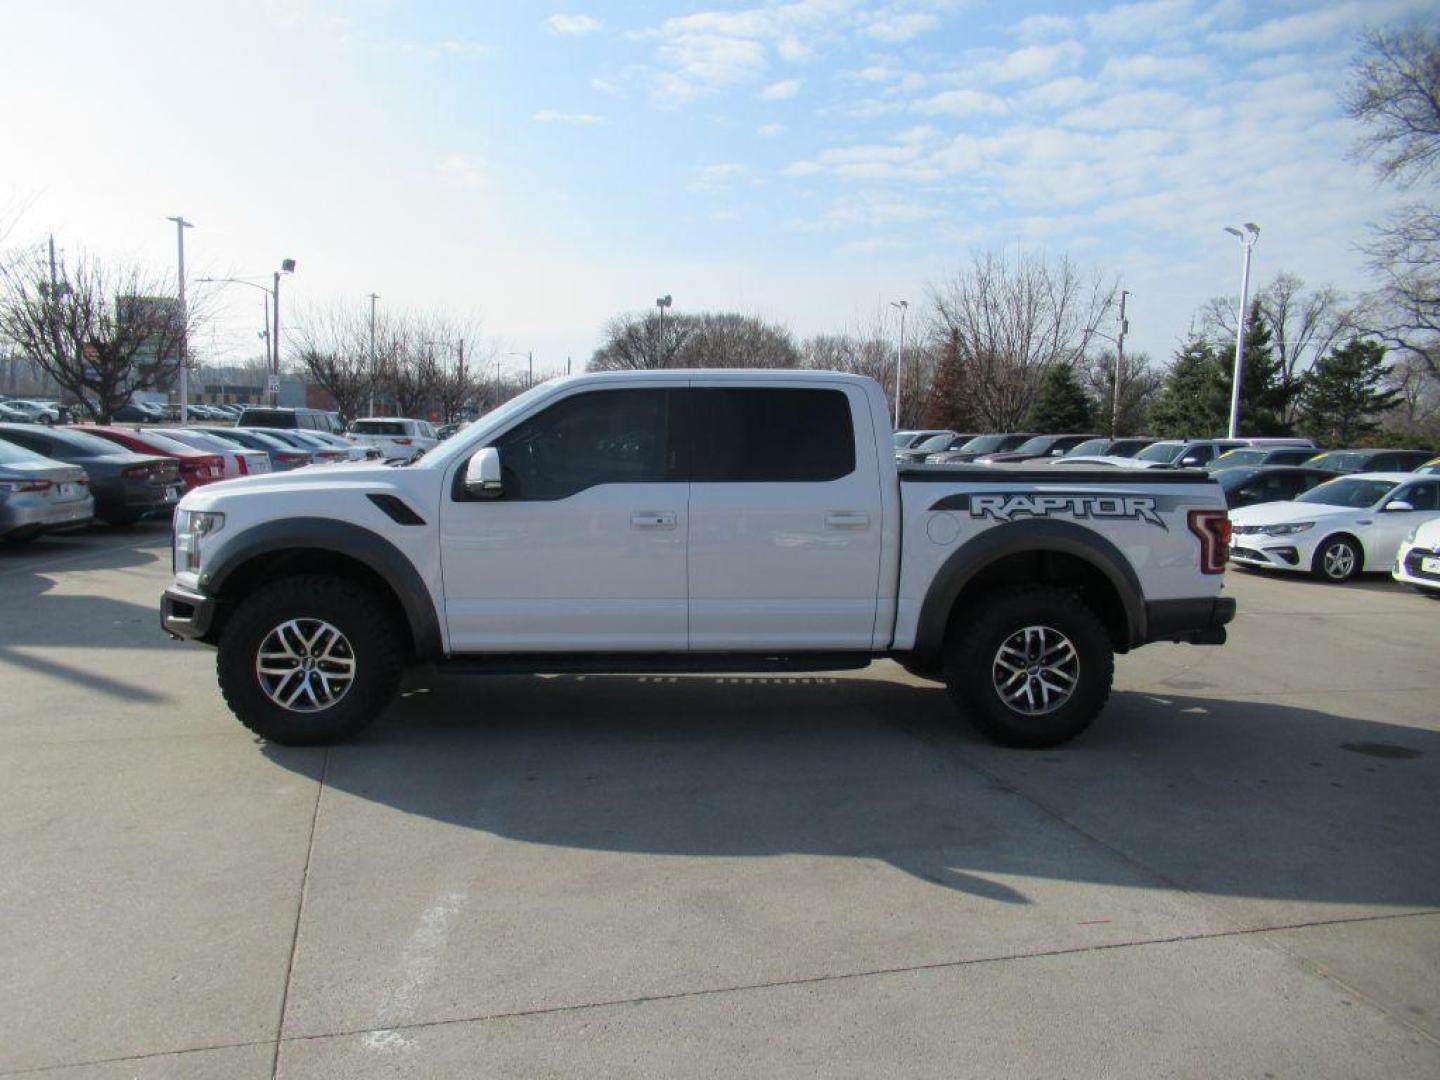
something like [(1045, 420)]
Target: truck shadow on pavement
[(1184, 793)]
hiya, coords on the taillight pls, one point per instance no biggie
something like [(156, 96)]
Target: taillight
[(244, 465), (291, 459), (404, 442), (137, 472), (1213, 529), (16, 486)]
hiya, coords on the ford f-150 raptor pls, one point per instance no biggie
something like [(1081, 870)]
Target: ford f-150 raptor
[(698, 521)]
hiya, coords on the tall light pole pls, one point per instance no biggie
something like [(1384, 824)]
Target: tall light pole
[(1119, 364), (287, 266), (1247, 241), (180, 226), (373, 375), (904, 306), (661, 302)]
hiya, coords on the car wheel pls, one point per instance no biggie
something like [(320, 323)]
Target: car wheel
[(310, 660), (1336, 560), (1030, 666)]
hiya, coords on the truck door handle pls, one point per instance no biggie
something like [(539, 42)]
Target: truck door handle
[(652, 519), (847, 519)]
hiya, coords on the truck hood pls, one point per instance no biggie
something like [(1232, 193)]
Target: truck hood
[(340, 475)]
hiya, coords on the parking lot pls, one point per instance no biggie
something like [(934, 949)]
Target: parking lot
[(1235, 873)]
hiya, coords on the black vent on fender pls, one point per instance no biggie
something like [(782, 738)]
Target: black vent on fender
[(397, 509)]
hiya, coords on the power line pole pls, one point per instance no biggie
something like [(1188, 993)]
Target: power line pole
[(1247, 241), (529, 382), (180, 226), (904, 306), (1119, 365)]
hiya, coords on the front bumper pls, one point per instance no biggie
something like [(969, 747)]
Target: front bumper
[(185, 613), (1410, 567), (1272, 552), (1198, 621)]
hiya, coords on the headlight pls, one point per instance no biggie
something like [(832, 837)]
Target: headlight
[(192, 526), (1291, 529)]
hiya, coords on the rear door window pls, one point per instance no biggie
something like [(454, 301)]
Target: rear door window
[(750, 435)]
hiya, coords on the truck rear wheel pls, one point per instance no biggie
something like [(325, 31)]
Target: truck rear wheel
[(1030, 666), (310, 660)]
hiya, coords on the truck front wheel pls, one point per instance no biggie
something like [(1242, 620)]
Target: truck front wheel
[(1030, 666), (310, 660)]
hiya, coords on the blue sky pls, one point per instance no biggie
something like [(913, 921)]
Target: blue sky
[(541, 167)]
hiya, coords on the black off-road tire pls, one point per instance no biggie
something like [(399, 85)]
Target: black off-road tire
[(375, 643), (1321, 567), (993, 621)]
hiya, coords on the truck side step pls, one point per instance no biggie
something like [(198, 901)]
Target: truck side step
[(647, 663)]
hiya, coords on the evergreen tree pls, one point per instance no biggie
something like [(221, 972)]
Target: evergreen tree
[(1264, 397), (1344, 393), (1192, 403), (946, 404), (1061, 405)]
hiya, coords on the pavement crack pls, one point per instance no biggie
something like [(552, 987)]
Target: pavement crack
[(299, 914)]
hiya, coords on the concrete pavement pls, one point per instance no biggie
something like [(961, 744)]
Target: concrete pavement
[(1236, 872)]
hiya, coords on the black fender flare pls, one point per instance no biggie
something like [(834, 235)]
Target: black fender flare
[(1016, 537), (325, 534)]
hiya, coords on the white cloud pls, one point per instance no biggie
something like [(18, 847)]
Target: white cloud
[(781, 91), (550, 116), (1143, 108), (572, 24), (1043, 27), (1311, 27), (603, 87), (896, 26), (961, 103), (769, 131), (1145, 67), (464, 171), (801, 168), (1029, 63), (1060, 93), (714, 177), (1141, 21)]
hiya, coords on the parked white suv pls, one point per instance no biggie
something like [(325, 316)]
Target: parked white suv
[(398, 439)]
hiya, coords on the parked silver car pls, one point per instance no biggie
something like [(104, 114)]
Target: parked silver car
[(40, 495)]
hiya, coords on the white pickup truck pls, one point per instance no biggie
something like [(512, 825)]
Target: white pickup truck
[(693, 521)]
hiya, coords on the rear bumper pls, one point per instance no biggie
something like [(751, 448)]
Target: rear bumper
[(1198, 621), (185, 613), (27, 514)]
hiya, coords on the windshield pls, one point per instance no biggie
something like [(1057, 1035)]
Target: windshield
[(1088, 447), (85, 445), (1241, 457), (935, 442), (379, 427), (1349, 491), (1161, 451), (983, 444), (903, 439), (1040, 444), (1230, 479), (1340, 460)]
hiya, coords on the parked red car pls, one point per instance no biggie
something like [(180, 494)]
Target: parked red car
[(196, 466)]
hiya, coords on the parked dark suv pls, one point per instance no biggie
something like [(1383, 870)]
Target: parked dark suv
[(261, 416)]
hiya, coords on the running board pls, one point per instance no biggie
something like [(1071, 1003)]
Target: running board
[(647, 663)]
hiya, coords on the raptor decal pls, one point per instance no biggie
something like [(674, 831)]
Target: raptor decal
[(1008, 506)]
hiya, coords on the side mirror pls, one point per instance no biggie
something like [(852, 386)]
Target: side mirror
[(1191, 460), (1398, 506), (1057, 453), (482, 474)]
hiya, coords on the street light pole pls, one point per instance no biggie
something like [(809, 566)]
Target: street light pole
[(373, 297), (180, 226), (1247, 241), (287, 266), (1119, 365), (661, 302), (904, 306)]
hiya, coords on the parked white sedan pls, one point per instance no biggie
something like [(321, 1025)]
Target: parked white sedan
[(1338, 529), (1418, 561), (397, 438)]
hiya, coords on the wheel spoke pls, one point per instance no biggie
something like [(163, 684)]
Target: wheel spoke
[(1036, 670), (305, 665)]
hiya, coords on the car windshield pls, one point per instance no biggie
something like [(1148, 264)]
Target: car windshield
[(983, 444), (1040, 444), (1161, 451), (934, 442), (1340, 460), (10, 454), (379, 427), (902, 439), (1241, 457), (1088, 448), (1230, 479), (1349, 491)]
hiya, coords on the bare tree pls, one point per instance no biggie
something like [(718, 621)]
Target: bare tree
[(1014, 320), (1139, 380), (333, 346), (1304, 326), (705, 340), (1394, 91), (102, 333)]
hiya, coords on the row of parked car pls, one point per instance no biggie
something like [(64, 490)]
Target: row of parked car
[(57, 476), (1332, 514)]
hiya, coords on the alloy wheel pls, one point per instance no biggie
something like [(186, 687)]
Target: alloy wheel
[(305, 665), (1036, 670)]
